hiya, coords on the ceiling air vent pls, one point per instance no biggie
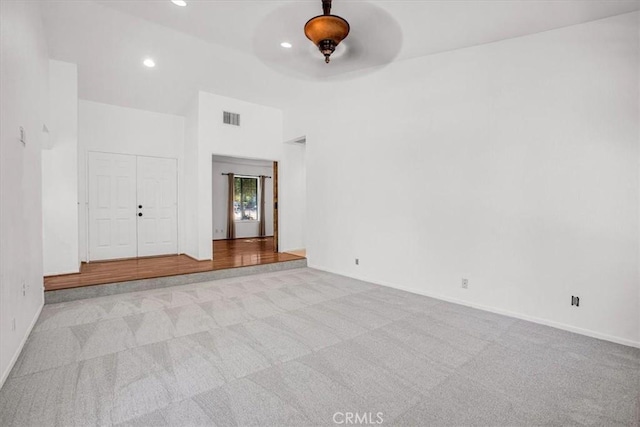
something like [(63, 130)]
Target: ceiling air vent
[(231, 118)]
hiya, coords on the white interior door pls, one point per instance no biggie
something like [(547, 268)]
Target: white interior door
[(157, 206), (112, 206)]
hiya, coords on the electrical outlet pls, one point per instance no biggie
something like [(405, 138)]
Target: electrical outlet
[(575, 301), (13, 324), (24, 289), (357, 261), (465, 283)]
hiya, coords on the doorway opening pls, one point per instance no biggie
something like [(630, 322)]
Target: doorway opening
[(244, 209)]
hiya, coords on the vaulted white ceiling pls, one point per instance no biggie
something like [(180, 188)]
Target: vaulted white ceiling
[(233, 47), (428, 26)]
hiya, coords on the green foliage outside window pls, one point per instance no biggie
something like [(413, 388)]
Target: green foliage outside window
[(246, 199)]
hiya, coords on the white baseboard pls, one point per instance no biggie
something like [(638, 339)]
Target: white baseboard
[(62, 273), (292, 250), (541, 321), (196, 258), (14, 359)]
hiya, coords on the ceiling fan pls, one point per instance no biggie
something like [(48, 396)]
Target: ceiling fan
[(326, 31), (372, 38)]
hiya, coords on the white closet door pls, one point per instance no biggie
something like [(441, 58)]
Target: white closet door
[(112, 206), (157, 206)]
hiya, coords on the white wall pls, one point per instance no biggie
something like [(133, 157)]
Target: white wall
[(220, 188), (191, 176), (292, 204), (60, 173), (513, 164), (23, 84), (258, 137), (114, 129)]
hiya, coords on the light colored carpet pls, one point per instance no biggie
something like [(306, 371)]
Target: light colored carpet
[(304, 347)]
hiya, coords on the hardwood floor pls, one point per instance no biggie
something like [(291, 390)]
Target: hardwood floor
[(226, 254)]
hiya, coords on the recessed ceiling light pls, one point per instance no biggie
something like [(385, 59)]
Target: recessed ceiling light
[(286, 45), (179, 2), (149, 62)]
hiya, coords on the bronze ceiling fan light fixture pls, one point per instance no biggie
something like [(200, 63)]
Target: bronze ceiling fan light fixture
[(326, 31)]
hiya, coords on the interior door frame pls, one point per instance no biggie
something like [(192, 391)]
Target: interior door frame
[(87, 203), (275, 207)]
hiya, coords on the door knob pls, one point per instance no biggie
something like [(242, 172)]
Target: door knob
[(140, 214), (139, 206)]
